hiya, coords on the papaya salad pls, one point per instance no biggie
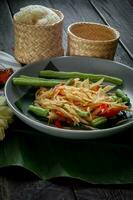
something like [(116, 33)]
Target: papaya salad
[(76, 99)]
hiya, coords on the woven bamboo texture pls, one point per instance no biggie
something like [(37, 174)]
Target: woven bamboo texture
[(35, 42), (91, 39)]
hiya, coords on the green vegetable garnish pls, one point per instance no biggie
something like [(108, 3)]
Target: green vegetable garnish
[(68, 75)]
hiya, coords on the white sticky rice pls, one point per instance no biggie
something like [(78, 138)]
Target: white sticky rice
[(36, 15)]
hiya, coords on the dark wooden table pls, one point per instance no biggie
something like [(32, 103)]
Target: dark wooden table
[(117, 13)]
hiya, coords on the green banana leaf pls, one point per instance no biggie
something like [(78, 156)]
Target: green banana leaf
[(108, 160)]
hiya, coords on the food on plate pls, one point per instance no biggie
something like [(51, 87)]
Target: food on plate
[(36, 15), (76, 99), (6, 116)]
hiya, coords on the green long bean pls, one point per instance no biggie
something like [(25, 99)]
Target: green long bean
[(35, 82), (32, 77), (82, 113), (122, 95), (68, 75), (41, 112), (99, 122)]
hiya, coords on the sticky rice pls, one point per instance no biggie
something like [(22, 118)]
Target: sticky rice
[(36, 15)]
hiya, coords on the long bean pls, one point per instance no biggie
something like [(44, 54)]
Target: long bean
[(32, 77), (122, 95), (68, 75), (82, 113), (38, 111), (35, 82), (99, 122), (43, 79)]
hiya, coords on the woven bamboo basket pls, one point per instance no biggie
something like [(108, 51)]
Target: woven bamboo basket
[(34, 42), (92, 39)]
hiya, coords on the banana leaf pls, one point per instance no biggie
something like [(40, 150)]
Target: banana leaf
[(108, 160)]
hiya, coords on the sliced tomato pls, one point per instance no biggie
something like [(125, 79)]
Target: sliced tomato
[(100, 110), (57, 123), (103, 107), (104, 110), (112, 112)]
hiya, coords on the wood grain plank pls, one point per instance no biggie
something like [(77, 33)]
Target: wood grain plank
[(130, 2), (74, 10), (118, 14), (19, 184), (6, 28), (82, 10), (39, 190), (103, 192)]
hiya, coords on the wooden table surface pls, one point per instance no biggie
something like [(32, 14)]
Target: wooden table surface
[(116, 13)]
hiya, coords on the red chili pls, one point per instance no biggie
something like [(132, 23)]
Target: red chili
[(57, 123)]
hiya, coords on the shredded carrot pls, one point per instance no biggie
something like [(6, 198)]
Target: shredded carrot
[(64, 100)]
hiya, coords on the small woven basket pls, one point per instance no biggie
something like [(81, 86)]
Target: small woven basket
[(92, 39), (34, 42)]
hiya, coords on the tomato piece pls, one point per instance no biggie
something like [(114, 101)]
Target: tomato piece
[(112, 112), (103, 108), (100, 110), (57, 123)]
